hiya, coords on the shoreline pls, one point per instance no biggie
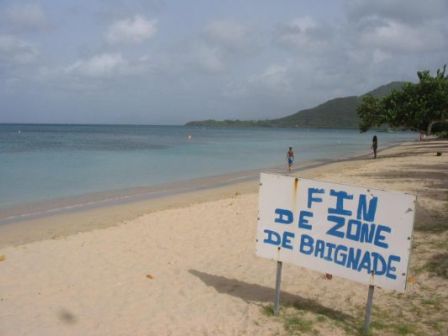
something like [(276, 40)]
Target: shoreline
[(41, 209), (46, 208), (44, 220)]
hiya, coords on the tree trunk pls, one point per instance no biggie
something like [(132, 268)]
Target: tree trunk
[(429, 128)]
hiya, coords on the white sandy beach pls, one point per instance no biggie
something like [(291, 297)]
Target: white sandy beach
[(191, 269)]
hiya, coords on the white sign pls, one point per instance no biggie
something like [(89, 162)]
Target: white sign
[(356, 233)]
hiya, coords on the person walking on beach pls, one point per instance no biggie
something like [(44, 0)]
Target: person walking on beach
[(290, 158), (374, 145)]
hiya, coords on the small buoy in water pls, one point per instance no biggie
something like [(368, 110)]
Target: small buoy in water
[(189, 136)]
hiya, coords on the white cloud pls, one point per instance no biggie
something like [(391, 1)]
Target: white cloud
[(17, 51), (220, 44), (275, 79), (393, 36), (26, 17), (99, 66), (304, 33), (409, 11), (131, 30), (208, 58), (96, 72), (228, 34)]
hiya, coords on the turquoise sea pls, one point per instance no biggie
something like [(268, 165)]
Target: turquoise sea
[(40, 163)]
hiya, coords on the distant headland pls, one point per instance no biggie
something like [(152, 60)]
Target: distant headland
[(334, 113)]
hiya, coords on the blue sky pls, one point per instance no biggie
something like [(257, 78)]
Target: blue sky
[(168, 62)]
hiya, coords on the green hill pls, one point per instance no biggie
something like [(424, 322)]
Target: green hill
[(338, 113), (334, 113), (384, 90)]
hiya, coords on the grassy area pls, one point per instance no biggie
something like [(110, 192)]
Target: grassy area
[(308, 318), (438, 265), (299, 321)]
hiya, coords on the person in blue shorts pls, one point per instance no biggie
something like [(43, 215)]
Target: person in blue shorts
[(290, 157)]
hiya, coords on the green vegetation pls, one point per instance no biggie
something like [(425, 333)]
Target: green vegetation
[(296, 325), (338, 112), (268, 310), (302, 318), (404, 329), (335, 113), (230, 123), (442, 134), (435, 301), (308, 317), (438, 265), (417, 106)]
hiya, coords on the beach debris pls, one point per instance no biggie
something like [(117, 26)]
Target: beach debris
[(149, 276), (2, 257), (67, 316)]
